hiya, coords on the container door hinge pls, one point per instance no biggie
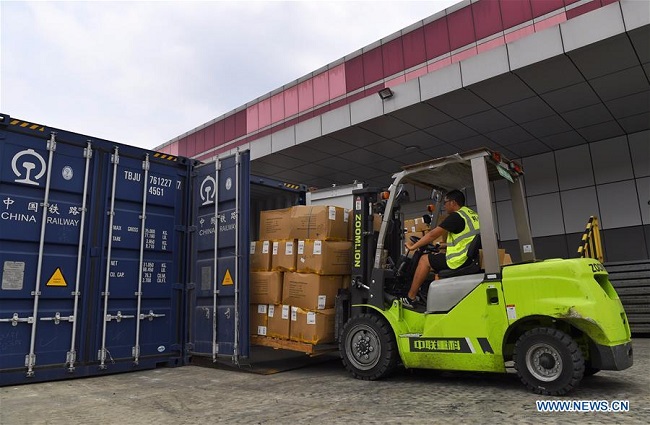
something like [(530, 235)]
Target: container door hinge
[(190, 286), (70, 359), (191, 229), (180, 228), (189, 348), (30, 362), (175, 347), (135, 352)]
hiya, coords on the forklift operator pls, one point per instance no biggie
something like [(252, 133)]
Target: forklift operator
[(458, 230)]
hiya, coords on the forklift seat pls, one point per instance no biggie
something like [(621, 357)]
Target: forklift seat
[(472, 265)]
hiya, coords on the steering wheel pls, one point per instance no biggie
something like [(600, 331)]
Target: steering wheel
[(429, 247)]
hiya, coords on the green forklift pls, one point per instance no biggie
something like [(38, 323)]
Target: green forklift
[(555, 321)]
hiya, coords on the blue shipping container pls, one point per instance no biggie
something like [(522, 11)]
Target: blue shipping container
[(227, 201), (93, 242)]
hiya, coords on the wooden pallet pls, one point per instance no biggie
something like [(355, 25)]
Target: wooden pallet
[(284, 344)]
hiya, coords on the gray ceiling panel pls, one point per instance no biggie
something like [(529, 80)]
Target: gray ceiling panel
[(509, 136), (487, 121), (529, 148), (421, 115), (356, 136), (385, 148), (502, 90), (547, 126), (641, 42), (388, 126), (635, 123), (476, 142), (563, 140), (367, 156), (550, 75), (593, 62), (570, 98), (419, 139), (600, 131), (527, 110), (590, 115), (630, 105), (330, 146), (302, 152), (451, 131), (265, 169), (459, 103), (621, 83)]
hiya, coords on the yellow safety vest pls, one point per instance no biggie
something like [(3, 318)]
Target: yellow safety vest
[(458, 244)]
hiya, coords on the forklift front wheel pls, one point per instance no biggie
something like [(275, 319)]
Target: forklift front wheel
[(548, 361), (368, 348)]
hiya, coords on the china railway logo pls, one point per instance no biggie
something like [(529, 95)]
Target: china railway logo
[(28, 166), (207, 190)]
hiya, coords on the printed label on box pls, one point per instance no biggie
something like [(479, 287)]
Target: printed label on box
[(261, 308), (265, 247), (345, 216), (261, 330), (322, 300), (301, 247), (271, 310), (252, 248), (294, 314), (318, 247), (288, 248), (332, 213), (311, 318), (285, 312), (276, 245)]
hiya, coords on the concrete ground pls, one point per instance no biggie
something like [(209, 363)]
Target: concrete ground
[(321, 393)]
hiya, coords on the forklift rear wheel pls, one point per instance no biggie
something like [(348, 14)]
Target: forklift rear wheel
[(548, 361), (368, 348)]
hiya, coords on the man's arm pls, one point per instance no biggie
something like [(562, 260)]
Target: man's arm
[(429, 237)]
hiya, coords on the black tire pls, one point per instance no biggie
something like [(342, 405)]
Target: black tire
[(368, 348), (548, 361)]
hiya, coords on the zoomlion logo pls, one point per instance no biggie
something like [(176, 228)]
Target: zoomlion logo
[(358, 230)]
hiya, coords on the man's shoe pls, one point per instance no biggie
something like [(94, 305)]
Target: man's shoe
[(409, 303)]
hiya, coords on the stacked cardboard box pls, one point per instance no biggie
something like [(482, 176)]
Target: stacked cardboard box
[(301, 272)]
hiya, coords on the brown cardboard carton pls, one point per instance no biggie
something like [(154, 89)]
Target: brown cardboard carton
[(283, 255), (324, 257), (376, 222), (304, 222), (260, 256), (266, 287), (347, 281), (279, 321), (415, 225), (320, 222), (312, 327), (259, 319), (502, 257), (275, 224), (310, 291)]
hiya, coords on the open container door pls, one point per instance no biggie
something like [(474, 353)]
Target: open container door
[(218, 300)]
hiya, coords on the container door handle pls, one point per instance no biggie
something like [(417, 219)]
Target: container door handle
[(15, 319)]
